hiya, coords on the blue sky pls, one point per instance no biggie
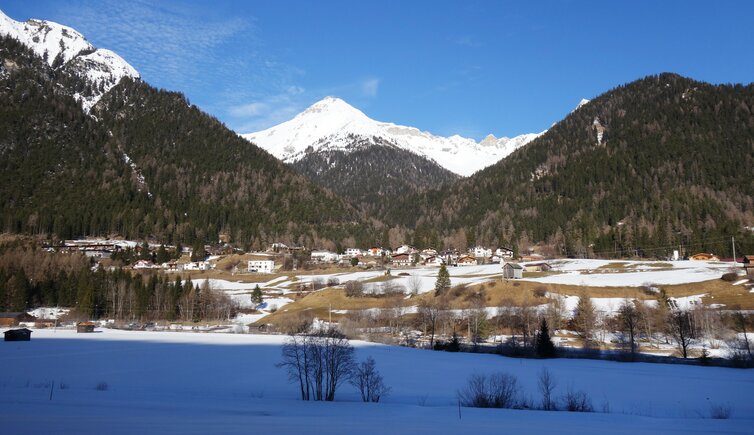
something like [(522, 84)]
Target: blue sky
[(468, 68)]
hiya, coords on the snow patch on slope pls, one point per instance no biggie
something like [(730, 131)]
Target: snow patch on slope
[(62, 47), (333, 124)]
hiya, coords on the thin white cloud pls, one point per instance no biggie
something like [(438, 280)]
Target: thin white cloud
[(252, 109), (268, 111), (369, 87)]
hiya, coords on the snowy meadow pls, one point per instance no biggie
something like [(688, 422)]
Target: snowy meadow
[(178, 382)]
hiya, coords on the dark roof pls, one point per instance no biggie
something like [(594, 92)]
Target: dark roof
[(11, 315), (16, 331), (513, 265)]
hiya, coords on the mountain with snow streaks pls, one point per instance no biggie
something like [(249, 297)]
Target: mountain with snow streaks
[(63, 48), (333, 125)]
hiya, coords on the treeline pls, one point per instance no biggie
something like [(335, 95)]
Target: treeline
[(33, 278)]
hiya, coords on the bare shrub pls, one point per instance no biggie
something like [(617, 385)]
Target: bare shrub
[(354, 289), (318, 283), (730, 277), (333, 281), (499, 390), (414, 284), (540, 291), (720, 412), (577, 401)]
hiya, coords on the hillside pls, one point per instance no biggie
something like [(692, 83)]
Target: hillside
[(372, 176), (656, 163), (148, 164)]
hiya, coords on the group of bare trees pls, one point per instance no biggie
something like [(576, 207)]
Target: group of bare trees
[(321, 361)]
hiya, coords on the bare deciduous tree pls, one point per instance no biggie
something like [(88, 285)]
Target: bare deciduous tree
[(368, 381), (629, 319), (546, 384), (319, 363), (679, 323), (430, 311)]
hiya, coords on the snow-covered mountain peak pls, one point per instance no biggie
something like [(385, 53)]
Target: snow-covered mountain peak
[(581, 103), (63, 47), (332, 108), (331, 124)]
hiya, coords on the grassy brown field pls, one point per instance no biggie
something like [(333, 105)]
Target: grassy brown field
[(507, 292)]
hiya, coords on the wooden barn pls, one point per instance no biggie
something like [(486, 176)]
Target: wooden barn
[(748, 263), (13, 319), (23, 334), (85, 327), (512, 271)]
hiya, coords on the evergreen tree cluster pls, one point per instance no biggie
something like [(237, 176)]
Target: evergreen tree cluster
[(32, 277)]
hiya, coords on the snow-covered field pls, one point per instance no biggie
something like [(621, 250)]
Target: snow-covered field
[(598, 273), (170, 382)]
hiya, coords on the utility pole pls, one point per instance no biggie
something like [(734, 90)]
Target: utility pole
[(733, 242)]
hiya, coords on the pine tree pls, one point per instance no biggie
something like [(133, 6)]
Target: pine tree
[(443, 281), (162, 255), (256, 295), (545, 346), (585, 319)]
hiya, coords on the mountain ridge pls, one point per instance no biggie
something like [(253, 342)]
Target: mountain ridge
[(330, 123), (64, 48)]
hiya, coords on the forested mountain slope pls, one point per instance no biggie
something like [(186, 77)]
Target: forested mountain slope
[(374, 176), (146, 164), (658, 162)]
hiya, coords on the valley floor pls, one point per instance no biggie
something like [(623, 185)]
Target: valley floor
[(171, 382)]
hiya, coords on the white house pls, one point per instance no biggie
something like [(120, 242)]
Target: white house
[(354, 252), (374, 252), (324, 256), (144, 264), (405, 249), (197, 265), (480, 252), (504, 253), (261, 266)]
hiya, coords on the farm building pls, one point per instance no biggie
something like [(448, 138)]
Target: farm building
[(537, 267), (467, 260), (748, 263), (14, 319), (85, 327), (22, 334), (402, 259), (512, 271)]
